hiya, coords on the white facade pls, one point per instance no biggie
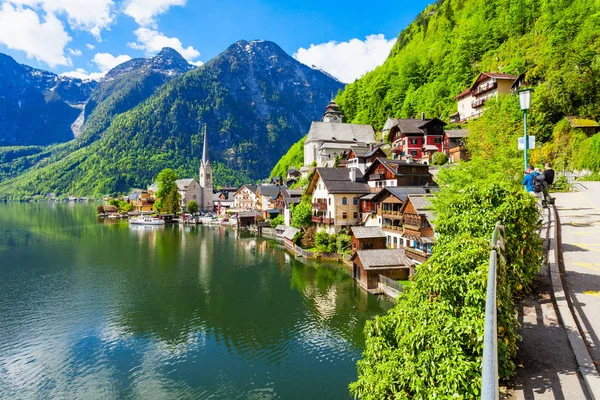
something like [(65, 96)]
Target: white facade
[(245, 199), (343, 208)]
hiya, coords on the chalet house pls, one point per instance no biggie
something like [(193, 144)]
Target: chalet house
[(454, 145), (418, 227), (266, 196), (247, 218), (390, 173), (245, 198), (362, 156), (334, 195), (367, 265), (486, 86), (330, 138), (285, 200), (142, 201), (223, 200), (189, 189), (587, 125), (389, 212), (416, 139), (367, 238)]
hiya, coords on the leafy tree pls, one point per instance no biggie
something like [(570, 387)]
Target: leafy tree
[(308, 240), (192, 207), (100, 209), (114, 202), (278, 220), (167, 197), (342, 243), (322, 241), (439, 158), (302, 214)]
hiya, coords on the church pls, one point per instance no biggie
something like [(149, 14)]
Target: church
[(332, 137), (206, 183)]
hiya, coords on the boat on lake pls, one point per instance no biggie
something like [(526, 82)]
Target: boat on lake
[(146, 220)]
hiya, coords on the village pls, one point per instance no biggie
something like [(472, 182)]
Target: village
[(366, 199)]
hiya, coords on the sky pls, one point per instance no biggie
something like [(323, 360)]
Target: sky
[(86, 38)]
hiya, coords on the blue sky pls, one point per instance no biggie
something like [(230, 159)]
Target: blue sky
[(87, 37)]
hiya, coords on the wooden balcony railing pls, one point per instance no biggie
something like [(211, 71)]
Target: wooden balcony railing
[(322, 220), (392, 228), (319, 206), (486, 87), (413, 220)]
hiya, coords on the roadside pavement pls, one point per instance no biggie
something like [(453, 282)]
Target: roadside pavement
[(579, 215), (547, 367)]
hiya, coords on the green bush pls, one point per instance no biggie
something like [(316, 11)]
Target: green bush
[(308, 240), (278, 220), (439, 158), (192, 207), (430, 344), (322, 241), (342, 243), (560, 184)]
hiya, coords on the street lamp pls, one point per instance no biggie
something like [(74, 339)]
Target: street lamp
[(525, 100)]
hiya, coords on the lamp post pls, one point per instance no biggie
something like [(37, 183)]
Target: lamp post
[(525, 100)]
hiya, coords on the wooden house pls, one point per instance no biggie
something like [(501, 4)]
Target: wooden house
[(367, 238), (367, 265), (391, 173), (142, 201), (288, 236), (418, 227), (455, 145), (415, 139), (362, 156)]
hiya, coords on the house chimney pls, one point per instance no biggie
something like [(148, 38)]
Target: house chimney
[(409, 158), (370, 146), (352, 173), (423, 116)]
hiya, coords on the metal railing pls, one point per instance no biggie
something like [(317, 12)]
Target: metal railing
[(489, 365), (390, 282)]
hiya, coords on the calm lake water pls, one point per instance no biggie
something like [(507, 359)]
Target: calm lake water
[(103, 311)]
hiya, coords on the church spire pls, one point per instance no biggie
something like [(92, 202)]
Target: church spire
[(205, 157)]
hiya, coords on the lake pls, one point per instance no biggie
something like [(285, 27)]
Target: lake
[(99, 310)]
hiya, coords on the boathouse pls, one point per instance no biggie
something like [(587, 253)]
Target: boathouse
[(367, 265)]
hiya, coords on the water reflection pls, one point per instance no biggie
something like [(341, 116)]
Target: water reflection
[(101, 310)]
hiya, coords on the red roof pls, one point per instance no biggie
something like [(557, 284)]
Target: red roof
[(463, 94)]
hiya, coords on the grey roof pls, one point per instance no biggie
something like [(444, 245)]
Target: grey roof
[(281, 228), (247, 214), (431, 147), (420, 203), (457, 133), (291, 200), (368, 196), (360, 150), (337, 180), (295, 192), (384, 259), (401, 192), (409, 125), (268, 190), (183, 183), (251, 188), (337, 145), (340, 131), (390, 123), (290, 232), (367, 232)]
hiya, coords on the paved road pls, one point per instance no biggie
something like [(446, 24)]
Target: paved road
[(579, 215), (547, 365)]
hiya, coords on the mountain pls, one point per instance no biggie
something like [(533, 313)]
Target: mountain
[(555, 42), (37, 107), (255, 99), (127, 85)]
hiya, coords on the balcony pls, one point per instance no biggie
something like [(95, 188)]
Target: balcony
[(485, 88), (398, 146), (478, 103), (319, 206), (322, 220), (416, 254), (392, 228), (375, 177)]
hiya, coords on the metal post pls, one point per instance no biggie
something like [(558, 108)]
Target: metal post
[(526, 139)]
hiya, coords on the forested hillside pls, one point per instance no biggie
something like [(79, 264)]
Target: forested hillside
[(255, 99), (437, 56)]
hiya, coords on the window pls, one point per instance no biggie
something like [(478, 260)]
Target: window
[(414, 153), (329, 201), (389, 239), (344, 215), (355, 201), (414, 141), (437, 140), (355, 215), (344, 201), (395, 241)]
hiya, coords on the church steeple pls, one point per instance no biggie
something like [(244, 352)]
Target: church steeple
[(205, 157), (333, 113), (206, 183)]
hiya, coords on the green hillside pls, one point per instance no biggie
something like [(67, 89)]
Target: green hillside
[(440, 54)]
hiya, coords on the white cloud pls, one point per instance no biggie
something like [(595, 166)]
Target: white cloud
[(144, 11), (152, 42), (106, 61), (196, 63), (90, 46), (74, 52), (89, 15), (349, 60), (81, 73), (22, 29)]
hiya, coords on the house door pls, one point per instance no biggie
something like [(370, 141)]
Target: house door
[(355, 272)]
